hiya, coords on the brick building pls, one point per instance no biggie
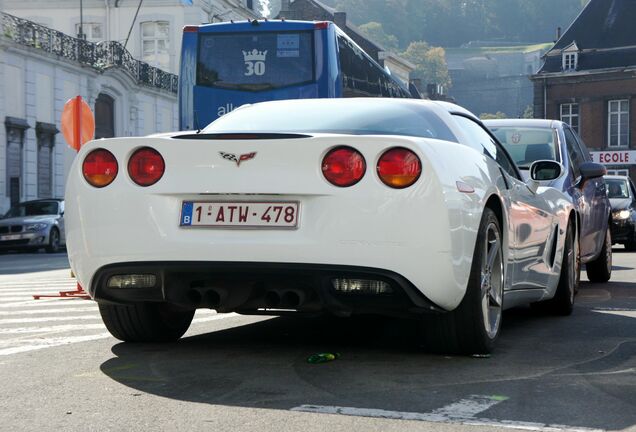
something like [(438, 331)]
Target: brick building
[(588, 80)]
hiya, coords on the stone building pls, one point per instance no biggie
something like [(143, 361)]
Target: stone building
[(40, 69), (155, 35), (589, 81)]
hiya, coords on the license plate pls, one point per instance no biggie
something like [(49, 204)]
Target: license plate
[(240, 214), (11, 237)]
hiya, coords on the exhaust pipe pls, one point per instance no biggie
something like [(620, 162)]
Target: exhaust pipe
[(194, 296), (293, 299), (272, 299), (212, 298)]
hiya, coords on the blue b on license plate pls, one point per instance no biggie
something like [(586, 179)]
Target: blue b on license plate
[(240, 214)]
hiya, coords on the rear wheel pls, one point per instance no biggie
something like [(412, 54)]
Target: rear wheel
[(146, 322), (473, 327), (600, 270)]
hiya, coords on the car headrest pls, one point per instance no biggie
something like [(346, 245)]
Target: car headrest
[(535, 152)]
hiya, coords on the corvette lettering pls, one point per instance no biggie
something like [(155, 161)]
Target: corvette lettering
[(237, 158)]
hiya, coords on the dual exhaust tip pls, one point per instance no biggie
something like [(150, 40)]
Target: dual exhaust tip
[(273, 299)]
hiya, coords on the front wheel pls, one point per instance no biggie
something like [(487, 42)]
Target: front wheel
[(473, 327), (54, 241), (600, 270), (146, 322)]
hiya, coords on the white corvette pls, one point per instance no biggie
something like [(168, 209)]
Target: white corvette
[(344, 206)]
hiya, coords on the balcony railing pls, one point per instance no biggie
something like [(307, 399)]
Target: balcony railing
[(99, 56)]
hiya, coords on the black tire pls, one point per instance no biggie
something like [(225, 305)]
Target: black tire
[(54, 241), (146, 322), (464, 330), (600, 270), (563, 301)]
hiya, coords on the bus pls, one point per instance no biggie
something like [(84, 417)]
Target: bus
[(226, 65)]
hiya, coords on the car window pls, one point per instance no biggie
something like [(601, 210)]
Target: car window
[(582, 147), (33, 209), (528, 144), (574, 152), (481, 140), (617, 188)]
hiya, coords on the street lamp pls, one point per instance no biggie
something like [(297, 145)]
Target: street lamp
[(80, 34)]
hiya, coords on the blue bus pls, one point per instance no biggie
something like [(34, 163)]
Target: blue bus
[(226, 65)]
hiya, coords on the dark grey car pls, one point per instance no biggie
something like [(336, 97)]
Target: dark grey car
[(34, 225), (622, 195), (529, 140)]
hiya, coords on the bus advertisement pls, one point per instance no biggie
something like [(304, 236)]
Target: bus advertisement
[(226, 65)]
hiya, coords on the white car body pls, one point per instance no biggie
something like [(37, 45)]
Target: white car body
[(422, 237)]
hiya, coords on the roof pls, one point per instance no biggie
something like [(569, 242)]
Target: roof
[(538, 123), (604, 33)]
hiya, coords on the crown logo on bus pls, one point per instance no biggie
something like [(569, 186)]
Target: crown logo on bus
[(254, 55)]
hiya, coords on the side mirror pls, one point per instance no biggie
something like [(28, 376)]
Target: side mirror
[(590, 170), (543, 170)]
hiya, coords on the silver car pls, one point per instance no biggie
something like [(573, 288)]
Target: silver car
[(34, 225)]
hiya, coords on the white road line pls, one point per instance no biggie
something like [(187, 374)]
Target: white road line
[(48, 319), (43, 311), (461, 412), (44, 302), (51, 329), (214, 317), (37, 344)]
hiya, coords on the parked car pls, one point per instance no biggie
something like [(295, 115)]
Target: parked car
[(34, 225), (404, 208), (530, 140), (622, 196)]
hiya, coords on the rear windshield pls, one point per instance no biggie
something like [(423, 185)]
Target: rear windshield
[(355, 116), (33, 209), (527, 145), (617, 188), (255, 61)]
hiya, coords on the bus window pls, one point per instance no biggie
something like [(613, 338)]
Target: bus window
[(255, 61)]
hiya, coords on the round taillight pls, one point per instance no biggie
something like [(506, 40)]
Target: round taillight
[(100, 168), (146, 166), (399, 168), (343, 166)]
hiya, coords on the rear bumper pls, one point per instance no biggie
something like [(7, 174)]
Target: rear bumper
[(248, 287)]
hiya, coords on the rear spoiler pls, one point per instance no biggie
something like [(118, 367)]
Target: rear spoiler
[(240, 136)]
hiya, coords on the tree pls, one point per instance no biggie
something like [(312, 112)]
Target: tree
[(490, 116), (374, 31), (430, 63)]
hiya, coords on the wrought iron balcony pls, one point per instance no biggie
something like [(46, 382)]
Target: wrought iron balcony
[(99, 56)]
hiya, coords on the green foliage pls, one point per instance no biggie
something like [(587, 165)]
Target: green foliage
[(430, 64), (374, 31), (455, 22), (490, 116), (528, 113)]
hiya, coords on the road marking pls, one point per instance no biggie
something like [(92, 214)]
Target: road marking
[(47, 319), (43, 311), (38, 344), (462, 412), (44, 302), (52, 329)]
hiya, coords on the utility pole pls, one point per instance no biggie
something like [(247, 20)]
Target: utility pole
[(80, 34)]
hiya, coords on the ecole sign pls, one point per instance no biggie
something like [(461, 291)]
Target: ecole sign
[(614, 157)]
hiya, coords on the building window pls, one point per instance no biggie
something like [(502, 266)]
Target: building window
[(618, 123), (250, 4), (15, 148), (92, 31), (104, 116), (570, 115), (45, 133), (155, 43), (570, 61), (620, 172)]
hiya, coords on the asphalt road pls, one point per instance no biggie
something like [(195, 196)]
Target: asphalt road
[(60, 370)]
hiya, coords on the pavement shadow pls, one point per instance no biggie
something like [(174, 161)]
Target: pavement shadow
[(577, 370)]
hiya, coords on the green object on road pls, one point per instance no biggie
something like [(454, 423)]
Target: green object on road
[(322, 358)]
